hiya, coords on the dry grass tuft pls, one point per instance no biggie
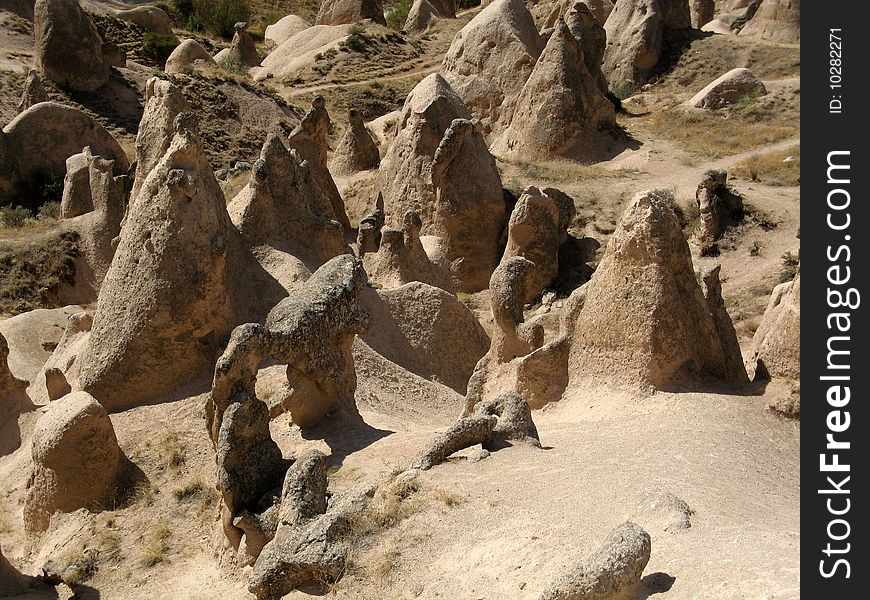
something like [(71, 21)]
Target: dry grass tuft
[(156, 547), (772, 168)]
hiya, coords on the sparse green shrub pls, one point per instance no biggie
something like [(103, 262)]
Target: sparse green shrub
[(356, 40), (14, 216), (50, 210), (219, 16), (747, 100), (790, 263), (158, 47), (397, 17), (233, 62)]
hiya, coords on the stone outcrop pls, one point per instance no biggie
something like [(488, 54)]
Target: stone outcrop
[(644, 321), (68, 46), (591, 37), (13, 395), (600, 9), (718, 206), (776, 350), (187, 54), (611, 572), (309, 139), (711, 286), (425, 12), (12, 582), (369, 236), (149, 18), (440, 167), (561, 112), (357, 150), (776, 20), (243, 47), (77, 462), (490, 60), (285, 28), (342, 12), (728, 89), (538, 226), (283, 207), (60, 371), (33, 92), (702, 11), (635, 32)]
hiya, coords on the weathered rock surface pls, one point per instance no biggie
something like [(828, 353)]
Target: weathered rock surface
[(614, 570), (33, 92), (561, 111), (243, 47), (425, 12), (718, 206), (341, 12), (776, 20), (728, 89), (357, 150), (68, 46), (635, 31), (285, 28), (60, 371), (712, 288), (187, 54), (664, 511), (12, 582), (77, 462), (592, 38), (149, 18), (490, 60), (13, 395), (440, 167), (776, 349), (702, 12)]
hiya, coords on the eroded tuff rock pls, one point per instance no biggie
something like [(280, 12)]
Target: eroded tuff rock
[(187, 54), (538, 226), (285, 28), (776, 349), (342, 12), (77, 462), (592, 38), (149, 18), (712, 288), (425, 12), (776, 20), (663, 511), (440, 167), (644, 320), (244, 48), (283, 207), (719, 207), (309, 139), (33, 92), (357, 150), (490, 60), (728, 89), (561, 112), (68, 46), (13, 395), (614, 570), (600, 9), (12, 581), (702, 12), (60, 371), (635, 32), (368, 238)]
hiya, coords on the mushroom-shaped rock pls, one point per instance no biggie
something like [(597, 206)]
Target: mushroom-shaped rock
[(357, 150), (425, 12), (561, 111), (776, 349), (440, 167), (286, 27), (644, 320), (77, 462), (776, 20), (600, 9), (187, 53), (243, 47), (149, 18), (33, 92), (342, 12), (728, 89), (68, 46), (490, 60)]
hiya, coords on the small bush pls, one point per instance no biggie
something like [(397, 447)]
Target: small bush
[(397, 17), (14, 217), (755, 248), (50, 210), (158, 47), (790, 264), (356, 40), (232, 62), (219, 16), (157, 546)]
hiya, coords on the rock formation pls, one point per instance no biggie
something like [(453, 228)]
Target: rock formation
[(37, 143), (401, 258), (77, 462), (425, 12), (309, 139), (560, 112), (728, 89), (440, 167), (149, 18), (719, 207), (13, 397), (283, 207), (285, 28), (644, 320), (776, 349), (187, 54), (702, 11), (357, 150), (600, 9), (243, 47), (635, 32), (490, 60), (341, 12), (12, 582), (537, 228), (369, 235), (60, 372), (712, 289), (33, 93), (68, 46), (591, 37), (611, 572), (776, 20)]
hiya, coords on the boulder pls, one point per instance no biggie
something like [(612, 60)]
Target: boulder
[(342, 12), (186, 54), (68, 47), (77, 462), (357, 150), (425, 12), (702, 12), (776, 20), (728, 89), (776, 350), (490, 60), (439, 167), (33, 92), (149, 18), (644, 321), (300, 51), (560, 112), (610, 573), (60, 371), (286, 27)]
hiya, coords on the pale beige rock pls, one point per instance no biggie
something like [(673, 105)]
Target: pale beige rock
[(385, 127), (490, 60), (644, 321), (425, 12), (728, 89), (33, 92), (440, 167), (187, 54), (68, 46), (149, 18), (776, 20), (560, 112), (711, 286), (702, 12), (286, 27), (13, 397), (12, 582), (591, 37), (342, 12), (635, 31), (297, 52), (718, 205), (77, 462), (243, 47), (357, 150), (776, 350)]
